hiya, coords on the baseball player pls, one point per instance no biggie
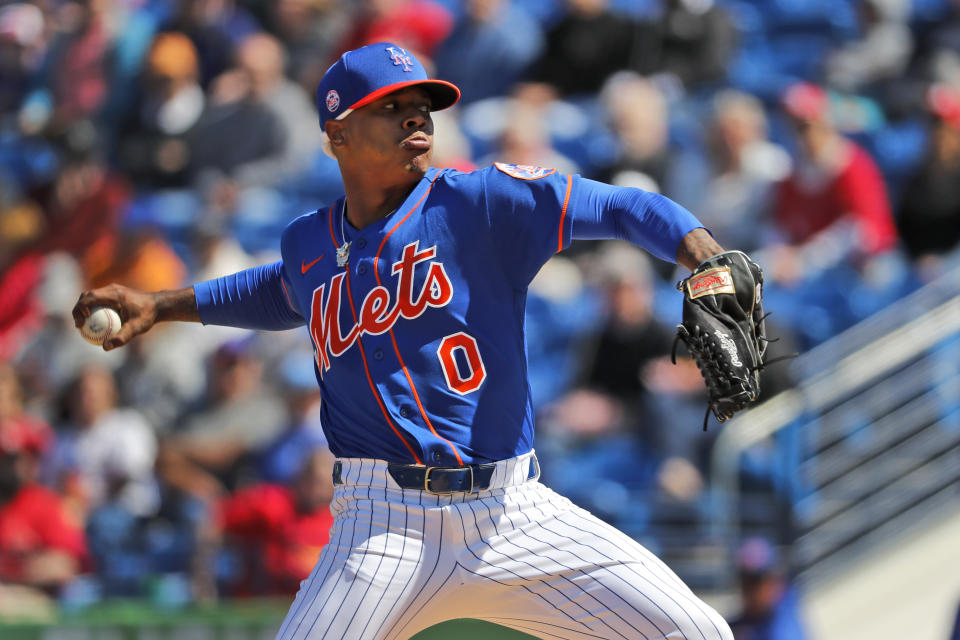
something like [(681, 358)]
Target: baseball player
[(412, 287)]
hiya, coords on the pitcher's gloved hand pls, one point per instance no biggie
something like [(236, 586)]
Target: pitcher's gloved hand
[(723, 328)]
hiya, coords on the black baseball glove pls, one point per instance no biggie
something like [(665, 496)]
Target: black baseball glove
[(723, 328)]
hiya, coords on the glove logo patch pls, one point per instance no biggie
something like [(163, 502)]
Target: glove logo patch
[(710, 282), (727, 344)]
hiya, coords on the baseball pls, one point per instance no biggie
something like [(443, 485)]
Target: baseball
[(102, 323)]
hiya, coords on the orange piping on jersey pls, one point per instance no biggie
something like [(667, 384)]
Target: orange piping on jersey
[(286, 293), (563, 212), (363, 354), (373, 388), (416, 396), (393, 338), (330, 223)]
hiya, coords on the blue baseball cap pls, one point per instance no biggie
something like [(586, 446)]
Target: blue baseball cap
[(366, 74)]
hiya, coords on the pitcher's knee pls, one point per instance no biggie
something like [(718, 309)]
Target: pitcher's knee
[(710, 625)]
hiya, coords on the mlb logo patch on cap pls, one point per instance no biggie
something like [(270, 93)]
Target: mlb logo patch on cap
[(333, 100)]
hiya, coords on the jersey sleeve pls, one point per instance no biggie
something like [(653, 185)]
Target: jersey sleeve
[(648, 220), (535, 212), (257, 298), (525, 207)]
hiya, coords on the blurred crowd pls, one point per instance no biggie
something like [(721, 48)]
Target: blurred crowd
[(157, 143)]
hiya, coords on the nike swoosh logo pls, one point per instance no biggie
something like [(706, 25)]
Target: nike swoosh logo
[(305, 266)]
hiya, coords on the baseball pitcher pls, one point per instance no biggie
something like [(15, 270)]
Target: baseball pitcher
[(413, 287)]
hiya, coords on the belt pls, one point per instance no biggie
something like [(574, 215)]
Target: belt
[(470, 478)]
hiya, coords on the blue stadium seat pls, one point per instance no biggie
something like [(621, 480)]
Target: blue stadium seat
[(899, 147), (928, 10), (640, 9)]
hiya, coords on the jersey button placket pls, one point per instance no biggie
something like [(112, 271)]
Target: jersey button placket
[(378, 354), (362, 268), (405, 412)]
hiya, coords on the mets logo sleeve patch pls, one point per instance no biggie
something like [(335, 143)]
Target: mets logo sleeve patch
[(524, 171)]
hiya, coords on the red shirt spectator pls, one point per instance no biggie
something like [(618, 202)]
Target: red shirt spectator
[(280, 530), (834, 181), (34, 523), (84, 207), (806, 206), (419, 25), (21, 309), (21, 434), (25, 433)]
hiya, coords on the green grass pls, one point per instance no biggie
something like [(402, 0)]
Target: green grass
[(252, 619)]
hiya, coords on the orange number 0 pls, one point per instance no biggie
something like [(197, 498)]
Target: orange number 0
[(475, 374)]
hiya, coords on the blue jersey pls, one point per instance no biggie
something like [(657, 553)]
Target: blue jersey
[(418, 332)]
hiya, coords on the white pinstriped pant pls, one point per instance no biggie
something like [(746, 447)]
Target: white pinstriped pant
[(517, 554)]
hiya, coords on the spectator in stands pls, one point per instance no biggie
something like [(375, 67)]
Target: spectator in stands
[(637, 114), (562, 313), (239, 415), (179, 137), (743, 167), (936, 56), (235, 138), (84, 204), (489, 49), (215, 251), (692, 40), (833, 208), (41, 545), (22, 41), (452, 150), (215, 27), (585, 47), (167, 550), (770, 608), (140, 257), (279, 461), (153, 146), (309, 30), (526, 140), (21, 272), (929, 212), (278, 530), (103, 451), (21, 432), (880, 54), (261, 58), (630, 362), (419, 25), (54, 356), (585, 432), (78, 63)]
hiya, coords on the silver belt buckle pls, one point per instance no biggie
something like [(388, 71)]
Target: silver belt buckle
[(426, 482)]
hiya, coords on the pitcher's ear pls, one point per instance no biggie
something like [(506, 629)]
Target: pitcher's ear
[(334, 131)]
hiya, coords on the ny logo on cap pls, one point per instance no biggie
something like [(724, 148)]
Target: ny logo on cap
[(400, 58)]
